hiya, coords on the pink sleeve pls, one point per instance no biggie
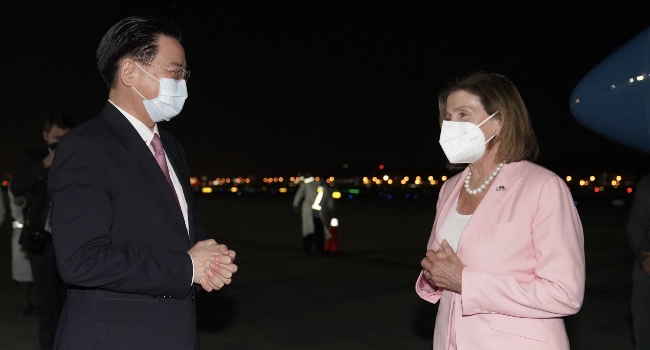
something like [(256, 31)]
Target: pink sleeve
[(426, 291), (556, 287)]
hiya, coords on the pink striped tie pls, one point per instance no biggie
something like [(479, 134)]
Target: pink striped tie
[(159, 154)]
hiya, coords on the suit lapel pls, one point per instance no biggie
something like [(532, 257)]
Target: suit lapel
[(502, 188), (183, 177), (145, 159)]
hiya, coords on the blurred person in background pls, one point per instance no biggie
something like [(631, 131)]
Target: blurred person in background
[(30, 181), (21, 269), (314, 202), (638, 233), (505, 259)]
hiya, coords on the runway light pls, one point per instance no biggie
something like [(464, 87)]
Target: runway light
[(444, 178), (283, 190), (206, 190), (618, 178), (592, 178), (568, 178), (381, 167), (597, 189), (639, 78), (385, 177), (629, 190), (336, 194), (233, 189), (334, 222)]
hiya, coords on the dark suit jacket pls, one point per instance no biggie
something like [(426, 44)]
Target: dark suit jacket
[(638, 227), (120, 240), (31, 181)]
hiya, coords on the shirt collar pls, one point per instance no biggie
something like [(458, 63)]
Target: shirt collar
[(143, 130)]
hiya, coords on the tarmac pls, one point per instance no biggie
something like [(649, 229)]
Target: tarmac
[(363, 296)]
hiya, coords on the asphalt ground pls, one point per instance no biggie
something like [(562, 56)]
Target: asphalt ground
[(361, 297)]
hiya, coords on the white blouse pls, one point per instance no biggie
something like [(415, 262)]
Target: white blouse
[(453, 226)]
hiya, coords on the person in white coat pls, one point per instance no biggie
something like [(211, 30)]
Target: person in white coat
[(313, 201), (21, 269)]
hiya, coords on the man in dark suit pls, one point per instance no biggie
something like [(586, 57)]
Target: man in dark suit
[(31, 181), (129, 241), (638, 233)]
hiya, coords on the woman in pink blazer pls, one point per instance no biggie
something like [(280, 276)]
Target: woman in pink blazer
[(505, 257)]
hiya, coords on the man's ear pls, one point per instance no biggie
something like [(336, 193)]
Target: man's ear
[(126, 72), (45, 136)]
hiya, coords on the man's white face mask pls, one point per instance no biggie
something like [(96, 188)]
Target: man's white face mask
[(463, 142), (170, 100)]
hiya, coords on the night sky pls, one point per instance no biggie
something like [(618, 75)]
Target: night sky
[(278, 88)]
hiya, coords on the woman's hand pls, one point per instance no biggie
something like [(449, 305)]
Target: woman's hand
[(443, 268)]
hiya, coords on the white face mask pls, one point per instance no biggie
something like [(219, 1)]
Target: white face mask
[(170, 100), (463, 142)]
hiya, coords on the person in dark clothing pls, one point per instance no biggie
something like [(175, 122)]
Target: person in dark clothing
[(31, 181), (638, 233)]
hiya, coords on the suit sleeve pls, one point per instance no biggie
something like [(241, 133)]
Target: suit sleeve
[(82, 222), (556, 287), (200, 233), (30, 172)]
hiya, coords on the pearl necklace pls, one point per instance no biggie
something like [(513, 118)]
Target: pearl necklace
[(483, 185)]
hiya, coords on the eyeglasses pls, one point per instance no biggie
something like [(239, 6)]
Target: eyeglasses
[(179, 73)]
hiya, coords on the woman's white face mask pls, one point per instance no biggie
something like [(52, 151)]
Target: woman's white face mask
[(463, 142)]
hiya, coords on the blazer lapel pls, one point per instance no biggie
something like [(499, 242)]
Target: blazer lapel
[(503, 186), (144, 158)]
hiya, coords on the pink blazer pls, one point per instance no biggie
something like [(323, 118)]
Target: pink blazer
[(525, 267)]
